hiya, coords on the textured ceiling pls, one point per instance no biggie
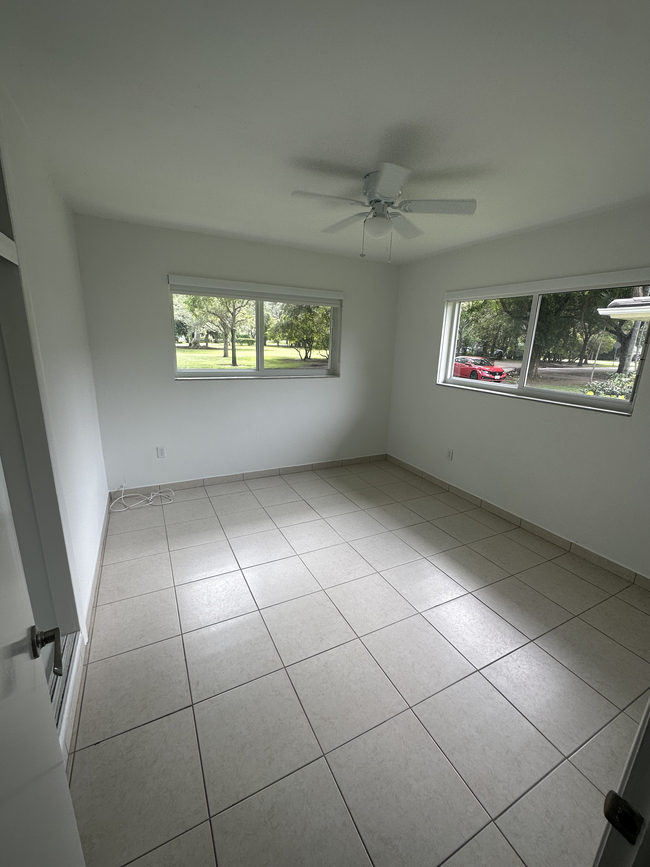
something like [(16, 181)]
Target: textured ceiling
[(207, 115)]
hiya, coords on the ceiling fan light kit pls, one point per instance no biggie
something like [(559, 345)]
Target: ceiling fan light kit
[(378, 225), (382, 188)]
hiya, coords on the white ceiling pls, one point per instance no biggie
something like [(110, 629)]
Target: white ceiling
[(206, 114)]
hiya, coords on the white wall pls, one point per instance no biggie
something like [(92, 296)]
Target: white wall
[(49, 271), (581, 474), (219, 427)]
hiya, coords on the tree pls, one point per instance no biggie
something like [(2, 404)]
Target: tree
[(306, 327), (627, 333), (221, 316)]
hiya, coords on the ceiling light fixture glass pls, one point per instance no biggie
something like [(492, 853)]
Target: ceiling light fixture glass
[(377, 226)]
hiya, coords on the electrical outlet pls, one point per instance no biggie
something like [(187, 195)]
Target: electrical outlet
[(161, 451), (450, 454)]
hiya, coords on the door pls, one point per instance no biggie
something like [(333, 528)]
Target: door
[(37, 822), (615, 850)]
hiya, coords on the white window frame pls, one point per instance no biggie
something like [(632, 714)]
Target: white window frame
[(261, 292), (537, 288)]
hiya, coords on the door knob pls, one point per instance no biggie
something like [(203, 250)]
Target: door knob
[(51, 636)]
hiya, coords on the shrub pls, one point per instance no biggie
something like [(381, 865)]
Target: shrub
[(616, 385)]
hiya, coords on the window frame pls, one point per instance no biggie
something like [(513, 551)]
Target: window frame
[(259, 293), (537, 289)]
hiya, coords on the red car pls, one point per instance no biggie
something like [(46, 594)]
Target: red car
[(475, 367)]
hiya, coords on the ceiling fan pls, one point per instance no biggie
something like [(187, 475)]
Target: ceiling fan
[(382, 188)]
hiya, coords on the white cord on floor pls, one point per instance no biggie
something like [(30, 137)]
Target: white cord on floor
[(166, 495)]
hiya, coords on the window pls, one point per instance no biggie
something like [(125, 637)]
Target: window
[(547, 341), (224, 329)]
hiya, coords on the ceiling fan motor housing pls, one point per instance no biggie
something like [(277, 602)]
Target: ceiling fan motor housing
[(370, 189)]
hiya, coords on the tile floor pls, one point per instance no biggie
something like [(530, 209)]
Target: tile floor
[(351, 667)]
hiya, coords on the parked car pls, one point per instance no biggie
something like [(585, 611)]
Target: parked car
[(476, 367)]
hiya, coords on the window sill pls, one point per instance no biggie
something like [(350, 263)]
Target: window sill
[(232, 377), (542, 396)]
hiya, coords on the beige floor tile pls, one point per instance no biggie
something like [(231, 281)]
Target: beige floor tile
[(301, 819), (385, 551), (201, 532), (609, 668), (418, 660), (565, 709), (279, 581), (475, 630), (590, 572), (131, 623), (202, 561), (370, 603), (250, 737), (211, 600), (423, 584), (136, 791), (602, 760), (336, 565), (246, 523), (133, 545), (569, 804), (311, 536), (134, 578), (344, 693), (488, 849), (525, 608), (356, 526), (193, 848), (130, 520), (535, 543), (306, 626), (469, 568), (498, 753), (624, 623), (229, 654), (191, 510), (131, 689), (258, 548), (405, 805), (563, 587)]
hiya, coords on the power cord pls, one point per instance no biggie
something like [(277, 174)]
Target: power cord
[(166, 495)]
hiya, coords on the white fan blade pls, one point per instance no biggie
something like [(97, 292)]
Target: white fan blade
[(437, 206), (404, 227), (342, 224), (323, 196), (390, 180)]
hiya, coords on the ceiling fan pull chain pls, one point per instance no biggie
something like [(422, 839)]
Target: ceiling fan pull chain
[(363, 241), (390, 245)]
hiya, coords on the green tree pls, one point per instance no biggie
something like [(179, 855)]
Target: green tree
[(222, 316), (305, 327)]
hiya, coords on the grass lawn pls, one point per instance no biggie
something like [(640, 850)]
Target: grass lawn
[(212, 358)]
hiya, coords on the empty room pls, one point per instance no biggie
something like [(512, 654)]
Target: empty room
[(324, 412)]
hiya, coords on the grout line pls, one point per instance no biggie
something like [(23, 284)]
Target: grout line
[(196, 730), (156, 848), (133, 728), (360, 638), (316, 738)]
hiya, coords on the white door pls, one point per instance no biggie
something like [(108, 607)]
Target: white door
[(37, 822), (615, 850)]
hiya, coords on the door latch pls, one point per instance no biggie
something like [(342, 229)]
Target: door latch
[(622, 816), (51, 636)]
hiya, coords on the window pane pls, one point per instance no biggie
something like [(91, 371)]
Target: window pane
[(296, 336), (490, 339), (214, 333), (577, 350)]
